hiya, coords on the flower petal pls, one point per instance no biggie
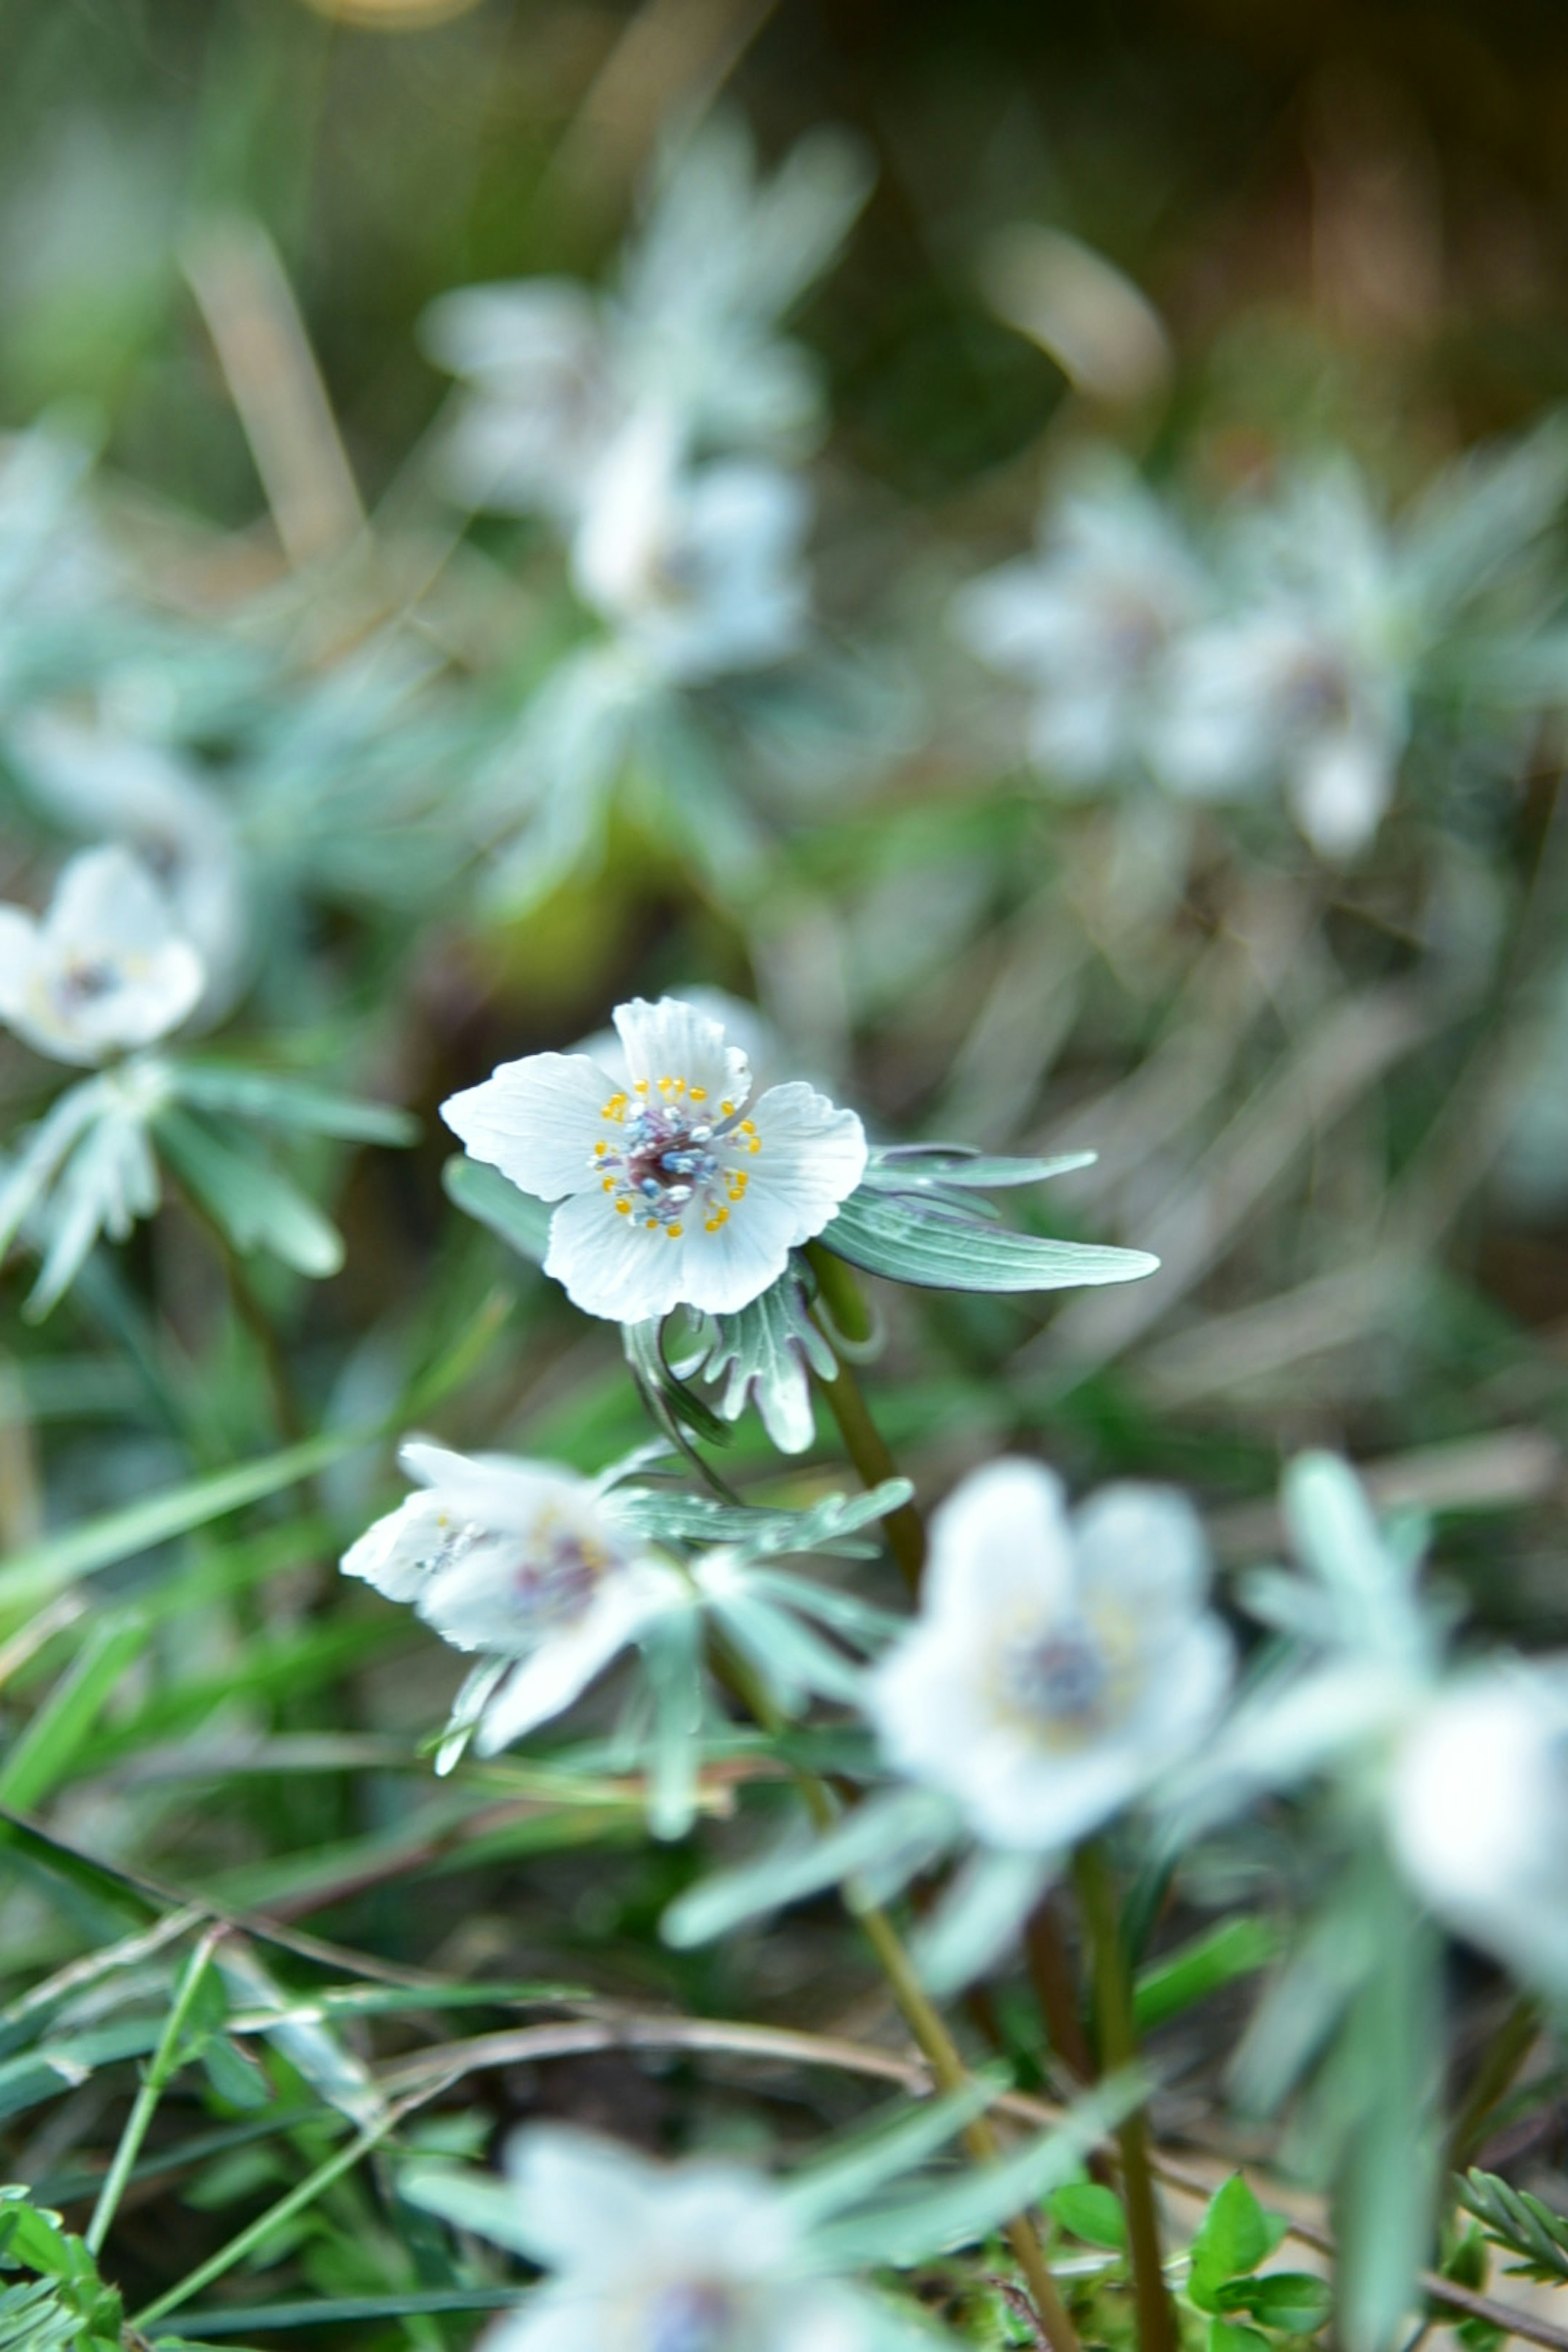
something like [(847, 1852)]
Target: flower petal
[(674, 1040), (1003, 1533), (612, 1265), (1145, 1546), (812, 1158), (564, 1666), (537, 1121)]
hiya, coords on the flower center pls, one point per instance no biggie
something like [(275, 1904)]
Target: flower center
[(694, 2315), (1059, 1678), (84, 982), (667, 1158), (550, 1574)]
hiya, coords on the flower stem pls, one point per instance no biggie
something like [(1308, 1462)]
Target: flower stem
[(920, 2014), (166, 2064), (863, 1441), (1119, 2047)]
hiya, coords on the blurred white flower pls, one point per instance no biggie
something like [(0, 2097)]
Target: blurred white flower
[(527, 1564), (1306, 686), (697, 2257), (107, 780), (675, 1188), (105, 970), (556, 370), (1061, 1664), (1083, 623), (1477, 1814), (698, 568), (1464, 1773)]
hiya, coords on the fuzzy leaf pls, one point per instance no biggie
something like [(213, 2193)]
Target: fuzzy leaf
[(290, 1102), (935, 1245), (485, 1194), (256, 1206)]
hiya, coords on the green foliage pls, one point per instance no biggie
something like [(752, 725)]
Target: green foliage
[(1520, 2223)]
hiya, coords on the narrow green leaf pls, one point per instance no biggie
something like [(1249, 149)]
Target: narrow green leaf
[(31, 1575), (41, 1756), (1237, 1947)]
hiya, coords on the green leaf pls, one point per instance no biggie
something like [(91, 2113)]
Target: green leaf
[(1237, 1947), (290, 1102), (489, 1197), (936, 1247), (31, 1576), (1086, 2210), (41, 1756), (1224, 2335), (1522, 2224), (1295, 2303), (1234, 2236), (255, 1204)]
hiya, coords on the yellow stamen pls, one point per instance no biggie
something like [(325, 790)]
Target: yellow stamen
[(640, 1087), (757, 1143), (747, 1128), (607, 1183), (728, 1110), (698, 1094), (674, 1231), (623, 1208), (614, 1108)]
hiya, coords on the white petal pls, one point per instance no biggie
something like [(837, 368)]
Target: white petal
[(1145, 1544), (584, 2201), (812, 1158), (105, 901), (723, 1271), (537, 1121), (674, 1040), (1341, 786), (613, 1266), (396, 1554), (1002, 1534), (563, 1666)]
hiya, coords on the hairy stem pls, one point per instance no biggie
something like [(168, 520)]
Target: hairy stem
[(1119, 2047)]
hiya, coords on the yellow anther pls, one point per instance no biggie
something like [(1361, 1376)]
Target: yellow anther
[(720, 1217), (602, 1145), (614, 1108), (623, 1208), (728, 1110), (640, 1087), (674, 1231), (757, 1143), (607, 1183), (665, 1085), (747, 1128), (652, 1224), (698, 1094)]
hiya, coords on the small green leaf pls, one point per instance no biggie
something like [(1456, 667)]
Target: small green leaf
[(1235, 2237), (1086, 2210), (1295, 2303), (1224, 2335), (490, 1199), (1237, 1947)]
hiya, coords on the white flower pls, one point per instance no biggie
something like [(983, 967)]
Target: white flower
[(1083, 623), (524, 1562), (742, 1022), (544, 404), (1060, 1665), (110, 779), (675, 1188), (105, 970), (1307, 685), (698, 568), (702, 2256), (1477, 1814)]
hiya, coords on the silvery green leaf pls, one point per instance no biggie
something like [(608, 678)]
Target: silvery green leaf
[(845, 1612), (469, 2200), (936, 1246), (673, 1405), (257, 1207), (290, 1102), (44, 1152), (923, 1166), (880, 1844), (1369, 1581), (979, 1916), (765, 1354), (486, 1195), (109, 1180), (793, 1661), (916, 2227), (671, 1657), (473, 1698), (827, 1526), (848, 2176)]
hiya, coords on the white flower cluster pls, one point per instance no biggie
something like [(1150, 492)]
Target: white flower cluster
[(1282, 649), (645, 421)]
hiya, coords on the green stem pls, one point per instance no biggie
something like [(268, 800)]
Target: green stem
[(1506, 2053), (1119, 2047), (863, 1441), (167, 2061), (920, 2013), (298, 2197)]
